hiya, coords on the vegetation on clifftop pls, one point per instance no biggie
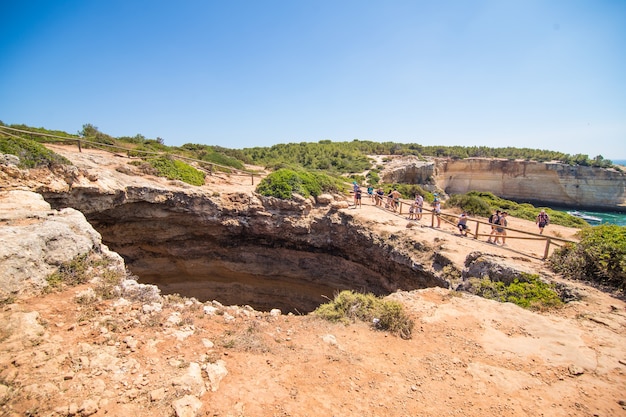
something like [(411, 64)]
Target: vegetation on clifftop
[(387, 315), (342, 157), (527, 292), (285, 182), (31, 153), (600, 256)]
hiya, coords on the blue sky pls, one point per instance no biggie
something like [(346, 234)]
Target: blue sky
[(546, 74)]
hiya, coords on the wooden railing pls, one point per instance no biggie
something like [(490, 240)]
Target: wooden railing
[(115, 149), (451, 219)]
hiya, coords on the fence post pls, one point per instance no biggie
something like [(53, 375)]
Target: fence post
[(476, 234), (252, 178), (79, 148), (545, 254)]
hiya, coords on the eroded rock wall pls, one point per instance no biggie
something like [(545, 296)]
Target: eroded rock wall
[(552, 183), (241, 248), (535, 182)]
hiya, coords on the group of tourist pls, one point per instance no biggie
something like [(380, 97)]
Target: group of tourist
[(498, 223), (498, 219)]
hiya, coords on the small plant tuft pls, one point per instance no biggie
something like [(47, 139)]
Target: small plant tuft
[(348, 306)]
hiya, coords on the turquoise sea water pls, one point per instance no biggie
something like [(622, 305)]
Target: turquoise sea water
[(606, 216)]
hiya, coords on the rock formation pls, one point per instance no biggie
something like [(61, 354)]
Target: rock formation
[(546, 183)]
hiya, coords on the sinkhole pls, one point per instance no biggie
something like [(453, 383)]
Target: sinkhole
[(262, 261)]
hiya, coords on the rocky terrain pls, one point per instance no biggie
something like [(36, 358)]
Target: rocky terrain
[(129, 348)]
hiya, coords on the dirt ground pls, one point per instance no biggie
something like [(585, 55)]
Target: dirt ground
[(468, 356)]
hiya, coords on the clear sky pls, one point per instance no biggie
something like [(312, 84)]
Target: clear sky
[(545, 74)]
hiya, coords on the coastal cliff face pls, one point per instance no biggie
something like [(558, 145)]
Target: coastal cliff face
[(527, 181)]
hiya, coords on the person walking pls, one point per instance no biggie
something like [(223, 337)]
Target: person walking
[(494, 220), (542, 220)]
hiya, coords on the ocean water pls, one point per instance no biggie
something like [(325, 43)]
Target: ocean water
[(611, 217)]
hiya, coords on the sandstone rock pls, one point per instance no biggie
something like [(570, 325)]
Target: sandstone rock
[(330, 339), (336, 205), (7, 159), (561, 184), (157, 394), (188, 406), (133, 290), (210, 310), (324, 199), (88, 407), (4, 393), (480, 265), (38, 240), (575, 370), (216, 372), (21, 329), (192, 381)]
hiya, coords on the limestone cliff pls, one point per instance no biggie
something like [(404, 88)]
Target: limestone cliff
[(535, 182)]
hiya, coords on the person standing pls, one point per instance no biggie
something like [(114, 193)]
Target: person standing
[(370, 192), (395, 197), (494, 219), (355, 187), (502, 230), (419, 204), (380, 195), (542, 221), (462, 224), (357, 198), (437, 211)]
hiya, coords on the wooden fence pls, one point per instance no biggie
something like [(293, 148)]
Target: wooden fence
[(476, 232), (80, 142)]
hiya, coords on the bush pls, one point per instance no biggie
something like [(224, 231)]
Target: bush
[(31, 153), (527, 292), (385, 315), (285, 182), (600, 256), (471, 203), (177, 170), (484, 203)]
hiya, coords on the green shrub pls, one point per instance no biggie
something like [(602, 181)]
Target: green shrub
[(348, 306), (31, 153), (484, 203), (177, 170), (471, 203), (285, 182), (527, 292), (600, 256)]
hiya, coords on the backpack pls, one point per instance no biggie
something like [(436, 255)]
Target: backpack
[(494, 219)]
